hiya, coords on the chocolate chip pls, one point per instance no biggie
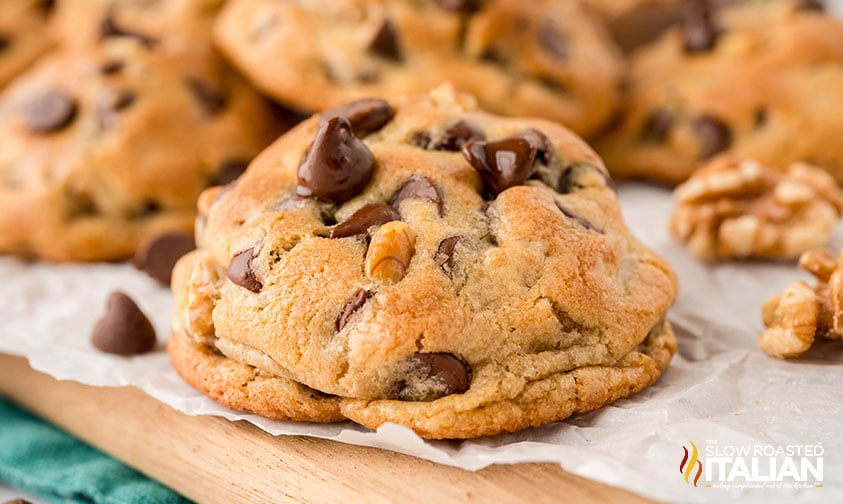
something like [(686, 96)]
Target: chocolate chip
[(50, 112), (112, 67), (568, 324), (337, 166), (367, 217), (385, 42), (419, 188), (501, 164), (158, 256), (124, 99), (5, 42), (209, 97), (240, 271), (124, 330), (444, 256), (148, 207), (47, 6), (80, 204), (581, 175), (552, 41), (814, 5), (366, 115), (576, 218), (494, 55), (657, 126), (454, 138), (699, 28), (229, 171), (714, 136), (109, 28), (354, 304), (460, 6), (431, 376), (544, 148), (761, 116)]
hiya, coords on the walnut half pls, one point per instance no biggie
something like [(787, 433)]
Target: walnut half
[(800, 313), (741, 209)]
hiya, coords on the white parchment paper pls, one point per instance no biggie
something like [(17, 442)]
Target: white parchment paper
[(719, 388)]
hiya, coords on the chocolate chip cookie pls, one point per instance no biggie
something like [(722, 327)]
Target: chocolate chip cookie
[(760, 80), (107, 146), (422, 262), (540, 59), (23, 35)]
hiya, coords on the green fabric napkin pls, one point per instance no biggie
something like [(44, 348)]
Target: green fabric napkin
[(47, 462)]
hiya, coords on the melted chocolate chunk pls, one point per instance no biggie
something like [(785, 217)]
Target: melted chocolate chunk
[(444, 256), (337, 166), (229, 171), (366, 115), (157, 257), (460, 6), (501, 164), (699, 27), (50, 112), (455, 137), (124, 330), (385, 42), (240, 271), (714, 136), (361, 221), (552, 41), (353, 305), (576, 218), (419, 188), (544, 148), (657, 126), (433, 375), (110, 28), (209, 97)]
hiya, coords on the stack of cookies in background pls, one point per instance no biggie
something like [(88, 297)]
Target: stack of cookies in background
[(119, 117)]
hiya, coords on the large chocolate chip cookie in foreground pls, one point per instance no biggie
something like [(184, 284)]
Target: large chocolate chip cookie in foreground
[(458, 291)]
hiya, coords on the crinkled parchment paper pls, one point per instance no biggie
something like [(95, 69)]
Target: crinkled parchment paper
[(718, 388)]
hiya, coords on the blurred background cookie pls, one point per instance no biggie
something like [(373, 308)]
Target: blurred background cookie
[(23, 34), (761, 80), (548, 59)]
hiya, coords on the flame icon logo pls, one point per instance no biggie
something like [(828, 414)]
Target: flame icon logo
[(686, 467)]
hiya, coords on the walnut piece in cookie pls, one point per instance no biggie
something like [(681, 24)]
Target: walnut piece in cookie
[(801, 313), (742, 209)]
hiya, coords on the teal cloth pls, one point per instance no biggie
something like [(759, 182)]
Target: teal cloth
[(44, 461)]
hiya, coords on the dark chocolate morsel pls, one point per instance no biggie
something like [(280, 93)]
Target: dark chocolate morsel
[(714, 136), (699, 27), (454, 138), (50, 112), (354, 304), (4, 42), (110, 28), (544, 148), (444, 256), (657, 126), (372, 215), (229, 171), (240, 271), (159, 255), (209, 97), (419, 188), (433, 375), (501, 164), (111, 67), (552, 41), (124, 329), (460, 6), (366, 115), (337, 166), (385, 42)]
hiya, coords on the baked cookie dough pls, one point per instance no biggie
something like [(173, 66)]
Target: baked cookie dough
[(107, 146), (422, 262), (540, 59), (23, 35), (760, 80)]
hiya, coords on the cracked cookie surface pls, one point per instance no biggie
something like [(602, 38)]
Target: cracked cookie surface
[(760, 81), (538, 59), (426, 263)]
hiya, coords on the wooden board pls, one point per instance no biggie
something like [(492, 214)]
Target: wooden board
[(213, 460)]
